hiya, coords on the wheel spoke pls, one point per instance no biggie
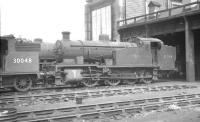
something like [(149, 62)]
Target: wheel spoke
[(22, 84), (147, 81), (89, 83), (112, 82)]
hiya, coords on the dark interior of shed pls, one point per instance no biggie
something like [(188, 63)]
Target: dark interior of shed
[(178, 39)]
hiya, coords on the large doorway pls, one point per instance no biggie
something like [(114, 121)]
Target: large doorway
[(178, 40), (197, 53)]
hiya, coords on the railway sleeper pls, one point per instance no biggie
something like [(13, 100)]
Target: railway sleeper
[(96, 95), (94, 115), (24, 98), (43, 113), (167, 98), (106, 92), (128, 90), (24, 115), (109, 94), (107, 105), (133, 110), (83, 93), (145, 89), (117, 90), (8, 100), (151, 107), (153, 100), (183, 103), (191, 96), (194, 102), (67, 110), (82, 96), (122, 93), (112, 112), (154, 89), (136, 102), (180, 97), (123, 104), (87, 108), (64, 119)]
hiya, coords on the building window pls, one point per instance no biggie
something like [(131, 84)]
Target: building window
[(101, 22), (176, 3), (194, 5), (154, 6)]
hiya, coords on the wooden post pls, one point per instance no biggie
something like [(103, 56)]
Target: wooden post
[(125, 12), (189, 49)]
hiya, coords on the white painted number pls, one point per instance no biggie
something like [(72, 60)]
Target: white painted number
[(22, 60)]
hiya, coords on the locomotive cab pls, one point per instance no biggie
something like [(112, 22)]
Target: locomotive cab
[(3, 52), (19, 63)]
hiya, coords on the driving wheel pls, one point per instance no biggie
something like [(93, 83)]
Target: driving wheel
[(22, 84), (112, 82), (147, 81), (89, 82)]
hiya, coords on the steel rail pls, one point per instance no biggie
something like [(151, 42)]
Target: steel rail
[(110, 109), (10, 99)]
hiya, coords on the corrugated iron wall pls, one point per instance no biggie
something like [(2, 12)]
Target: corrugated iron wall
[(135, 8)]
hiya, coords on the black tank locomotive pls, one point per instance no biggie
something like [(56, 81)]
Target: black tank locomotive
[(87, 63)]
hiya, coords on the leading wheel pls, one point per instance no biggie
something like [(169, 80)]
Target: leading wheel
[(89, 82), (112, 82), (22, 84)]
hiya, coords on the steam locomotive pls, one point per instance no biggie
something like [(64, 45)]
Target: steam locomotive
[(25, 65)]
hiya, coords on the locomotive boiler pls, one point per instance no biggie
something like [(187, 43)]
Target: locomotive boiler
[(90, 50)]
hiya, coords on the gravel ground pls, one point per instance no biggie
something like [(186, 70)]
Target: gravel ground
[(166, 115), (173, 114)]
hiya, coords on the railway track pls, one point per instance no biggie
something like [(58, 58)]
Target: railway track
[(109, 110), (72, 88), (63, 95)]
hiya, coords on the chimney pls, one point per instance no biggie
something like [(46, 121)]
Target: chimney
[(66, 35)]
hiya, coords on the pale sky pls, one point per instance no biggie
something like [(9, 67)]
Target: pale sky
[(44, 19)]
